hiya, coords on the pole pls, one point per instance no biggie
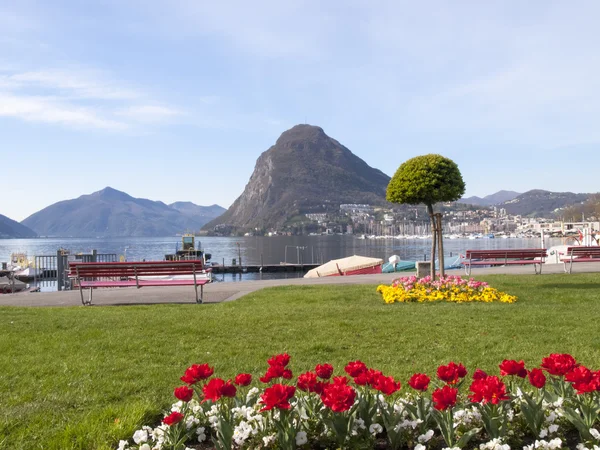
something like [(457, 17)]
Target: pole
[(440, 244)]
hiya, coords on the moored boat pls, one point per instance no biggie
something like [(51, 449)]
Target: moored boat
[(352, 265)]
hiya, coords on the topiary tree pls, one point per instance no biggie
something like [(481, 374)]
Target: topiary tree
[(427, 179)]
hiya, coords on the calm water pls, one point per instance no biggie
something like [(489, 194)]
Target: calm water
[(272, 250)]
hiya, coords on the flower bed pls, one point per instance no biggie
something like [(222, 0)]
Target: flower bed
[(450, 289), (552, 407)]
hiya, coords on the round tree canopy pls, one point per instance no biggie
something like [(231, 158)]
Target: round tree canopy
[(426, 179)]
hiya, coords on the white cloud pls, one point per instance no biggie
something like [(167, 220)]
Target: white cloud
[(71, 83), (51, 110)]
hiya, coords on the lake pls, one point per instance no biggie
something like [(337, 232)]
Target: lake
[(271, 250)]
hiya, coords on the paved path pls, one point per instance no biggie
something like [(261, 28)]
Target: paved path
[(227, 291)]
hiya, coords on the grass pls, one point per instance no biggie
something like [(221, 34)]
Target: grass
[(83, 378)]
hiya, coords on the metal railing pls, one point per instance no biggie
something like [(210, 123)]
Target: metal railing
[(52, 270)]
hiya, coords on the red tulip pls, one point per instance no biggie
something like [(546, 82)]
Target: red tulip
[(419, 382), (173, 418), (512, 367), (184, 393), (444, 398), (277, 396), (324, 371)]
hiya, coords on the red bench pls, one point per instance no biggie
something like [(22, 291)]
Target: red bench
[(136, 274), (521, 257), (579, 254)]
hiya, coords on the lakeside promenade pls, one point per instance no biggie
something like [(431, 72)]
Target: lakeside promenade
[(218, 292)]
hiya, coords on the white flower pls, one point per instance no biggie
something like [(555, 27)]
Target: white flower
[(420, 447), (494, 444), (268, 440), (551, 417), (201, 434), (544, 432), (252, 393), (375, 428), (558, 403), (359, 423), (595, 433), (301, 438), (555, 443), (191, 421), (581, 447), (145, 447), (425, 437), (242, 432), (122, 445), (552, 428)]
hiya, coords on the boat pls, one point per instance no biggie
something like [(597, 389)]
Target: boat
[(188, 252), (584, 238), (22, 267), (10, 286), (352, 265)]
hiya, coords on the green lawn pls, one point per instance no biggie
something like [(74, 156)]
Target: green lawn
[(83, 378)]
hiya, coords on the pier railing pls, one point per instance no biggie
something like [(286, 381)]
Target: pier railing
[(52, 270)]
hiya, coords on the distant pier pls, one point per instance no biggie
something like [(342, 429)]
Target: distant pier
[(268, 268)]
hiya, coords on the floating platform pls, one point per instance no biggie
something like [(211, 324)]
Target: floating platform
[(267, 268)]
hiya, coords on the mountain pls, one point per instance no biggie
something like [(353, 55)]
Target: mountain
[(12, 229), (539, 203), (200, 212), (305, 171), (492, 199), (110, 212)]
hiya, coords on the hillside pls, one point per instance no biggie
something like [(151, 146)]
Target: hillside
[(305, 171), (12, 229), (110, 212), (540, 203), (492, 199)]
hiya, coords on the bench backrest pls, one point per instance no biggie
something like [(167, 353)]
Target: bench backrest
[(507, 253), (580, 250), (134, 269)]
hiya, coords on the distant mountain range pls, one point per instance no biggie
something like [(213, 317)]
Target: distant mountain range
[(534, 203), (490, 200), (110, 212), (540, 203), (305, 171), (12, 229)]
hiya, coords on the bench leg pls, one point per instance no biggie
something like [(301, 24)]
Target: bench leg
[(81, 294), (201, 294)]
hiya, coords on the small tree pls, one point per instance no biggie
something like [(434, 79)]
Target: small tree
[(427, 179)]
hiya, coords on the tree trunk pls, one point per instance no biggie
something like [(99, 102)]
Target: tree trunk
[(433, 239), (440, 245)]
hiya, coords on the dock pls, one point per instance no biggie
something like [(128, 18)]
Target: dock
[(267, 268)]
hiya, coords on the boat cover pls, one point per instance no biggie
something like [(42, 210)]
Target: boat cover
[(6, 285), (343, 266)]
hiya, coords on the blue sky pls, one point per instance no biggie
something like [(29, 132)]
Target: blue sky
[(175, 100)]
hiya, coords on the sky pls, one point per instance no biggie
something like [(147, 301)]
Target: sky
[(175, 100)]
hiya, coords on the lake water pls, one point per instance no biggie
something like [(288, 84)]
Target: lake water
[(272, 250)]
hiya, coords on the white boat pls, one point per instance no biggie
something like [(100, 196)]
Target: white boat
[(556, 252), (352, 265)]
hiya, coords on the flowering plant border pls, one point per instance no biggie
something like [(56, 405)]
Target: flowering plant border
[(451, 288), (549, 407)]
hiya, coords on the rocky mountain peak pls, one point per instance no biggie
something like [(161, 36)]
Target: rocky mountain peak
[(305, 171)]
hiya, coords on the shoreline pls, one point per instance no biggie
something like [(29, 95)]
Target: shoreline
[(218, 292)]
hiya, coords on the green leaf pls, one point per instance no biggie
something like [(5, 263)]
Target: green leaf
[(465, 438)]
